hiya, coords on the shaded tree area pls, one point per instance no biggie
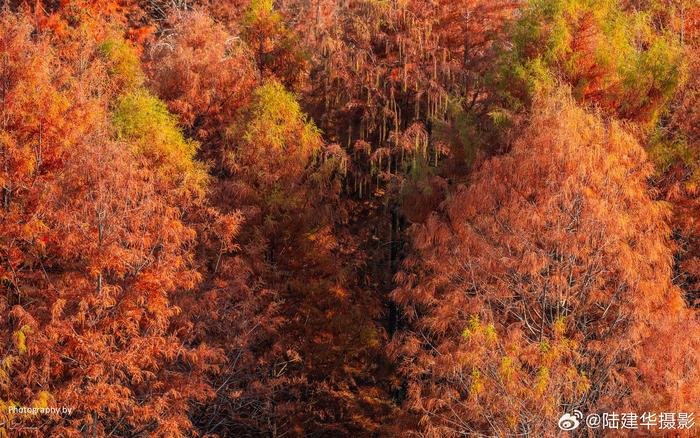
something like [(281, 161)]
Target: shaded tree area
[(346, 218)]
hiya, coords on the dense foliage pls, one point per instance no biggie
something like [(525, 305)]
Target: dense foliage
[(347, 218)]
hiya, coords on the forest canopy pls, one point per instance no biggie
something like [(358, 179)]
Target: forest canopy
[(292, 218)]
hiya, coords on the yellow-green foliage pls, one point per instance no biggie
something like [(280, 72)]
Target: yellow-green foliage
[(666, 151), (662, 66), (5, 368), (553, 39), (277, 121), (500, 362), (259, 9), (144, 122), (276, 148), (42, 400), (477, 385), (123, 61), (20, 338)]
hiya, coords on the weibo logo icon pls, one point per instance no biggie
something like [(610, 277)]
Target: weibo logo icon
[(570, 422)]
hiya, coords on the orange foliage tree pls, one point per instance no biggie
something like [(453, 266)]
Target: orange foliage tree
[(204, 73), (544, 286), (93, 249)]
